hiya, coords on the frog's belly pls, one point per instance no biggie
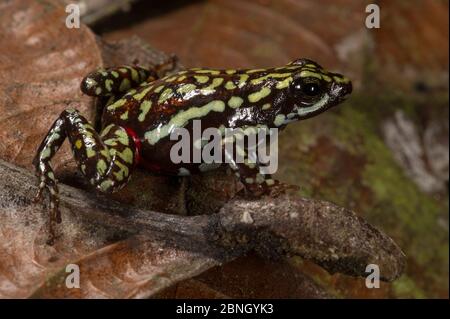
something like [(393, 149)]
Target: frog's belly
[(157, 158)]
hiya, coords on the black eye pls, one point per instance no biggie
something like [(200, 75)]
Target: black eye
[(308, 88), (311, 89)]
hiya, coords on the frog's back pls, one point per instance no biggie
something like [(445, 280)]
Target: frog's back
[(213, 96)]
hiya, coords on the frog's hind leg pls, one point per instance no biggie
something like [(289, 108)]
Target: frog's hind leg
[(106, 160), (116, 81)]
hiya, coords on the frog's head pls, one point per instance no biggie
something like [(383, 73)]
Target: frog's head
[(314, 90)]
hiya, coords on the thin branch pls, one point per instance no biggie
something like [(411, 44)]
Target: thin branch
[(331, 236)]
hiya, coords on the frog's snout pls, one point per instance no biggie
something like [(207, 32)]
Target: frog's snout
[(341, 88), (347, 88)]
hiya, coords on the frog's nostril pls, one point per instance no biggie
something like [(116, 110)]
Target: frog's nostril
[(341, 90)]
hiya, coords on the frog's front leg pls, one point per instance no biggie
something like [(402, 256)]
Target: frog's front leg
[(256, 183), (106, 160)]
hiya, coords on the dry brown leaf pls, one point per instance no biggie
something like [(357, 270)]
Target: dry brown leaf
[(412, 44), (113, 261), (41, 65), (256, 33)]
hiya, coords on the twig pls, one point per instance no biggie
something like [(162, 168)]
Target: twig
[(287, 225)]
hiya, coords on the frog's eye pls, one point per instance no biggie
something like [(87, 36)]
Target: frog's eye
[(306, 87), (311, 89)]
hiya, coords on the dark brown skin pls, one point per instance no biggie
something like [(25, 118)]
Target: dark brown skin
[(143, 111)]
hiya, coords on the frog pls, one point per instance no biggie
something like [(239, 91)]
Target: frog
[(144, 107)]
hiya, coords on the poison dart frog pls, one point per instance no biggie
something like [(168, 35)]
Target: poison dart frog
[(143, 109)]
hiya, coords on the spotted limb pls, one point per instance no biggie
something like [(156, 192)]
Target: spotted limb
[(116, 81), (255, 182), (105, 159)]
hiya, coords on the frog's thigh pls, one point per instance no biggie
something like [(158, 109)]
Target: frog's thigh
[(106, 159), (115, 81), (121, 149)]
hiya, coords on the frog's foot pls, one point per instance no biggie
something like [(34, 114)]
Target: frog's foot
[(279, 188), (256, 184), (261, 185), (167, 66), (48, 182)]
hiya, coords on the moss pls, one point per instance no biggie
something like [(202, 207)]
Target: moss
[(398, 206), (405, 287), (341, 157)]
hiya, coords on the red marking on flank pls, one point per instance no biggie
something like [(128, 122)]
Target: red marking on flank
[(137, 144)]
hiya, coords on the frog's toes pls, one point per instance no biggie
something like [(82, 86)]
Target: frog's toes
[(47, 181), (41, 188), (54, 206), (38, 197)]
